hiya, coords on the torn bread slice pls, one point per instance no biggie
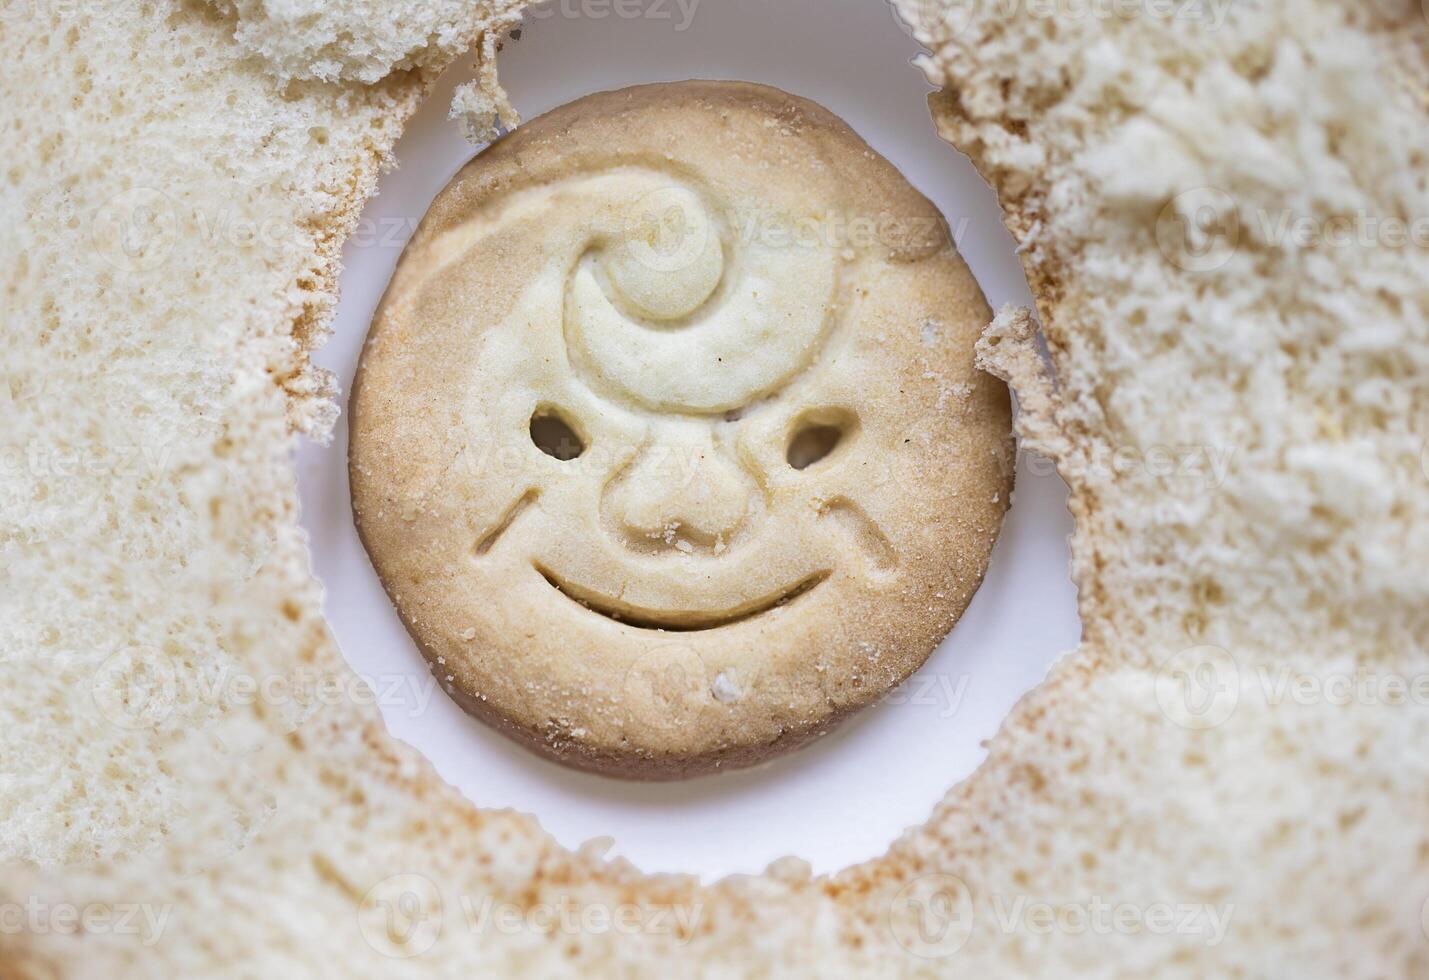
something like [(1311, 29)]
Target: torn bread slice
[(1264, 825)]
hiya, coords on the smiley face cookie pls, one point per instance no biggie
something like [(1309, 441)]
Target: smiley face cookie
[(667, 442)]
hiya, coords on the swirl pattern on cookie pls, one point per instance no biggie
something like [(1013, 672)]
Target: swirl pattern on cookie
[(667, 442)]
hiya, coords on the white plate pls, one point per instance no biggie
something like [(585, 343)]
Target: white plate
[(848, 796)]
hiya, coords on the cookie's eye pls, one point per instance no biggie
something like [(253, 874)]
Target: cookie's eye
[(554, 436), (817, 434)]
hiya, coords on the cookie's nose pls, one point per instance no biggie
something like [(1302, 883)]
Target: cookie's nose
[(681, 494)]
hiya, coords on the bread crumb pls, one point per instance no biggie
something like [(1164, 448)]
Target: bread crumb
[(481, 105), (724, 688)]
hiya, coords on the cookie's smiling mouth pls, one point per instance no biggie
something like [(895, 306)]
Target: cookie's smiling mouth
[(677, 620)]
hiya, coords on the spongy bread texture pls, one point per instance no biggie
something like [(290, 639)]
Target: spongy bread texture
[(170, 257), (158, 295), (1295, 820), (360, 40)]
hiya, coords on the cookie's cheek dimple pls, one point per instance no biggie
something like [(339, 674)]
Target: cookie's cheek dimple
[(864, 532), (487, 539)]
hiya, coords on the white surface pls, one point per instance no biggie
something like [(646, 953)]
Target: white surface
[(848, 796)]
